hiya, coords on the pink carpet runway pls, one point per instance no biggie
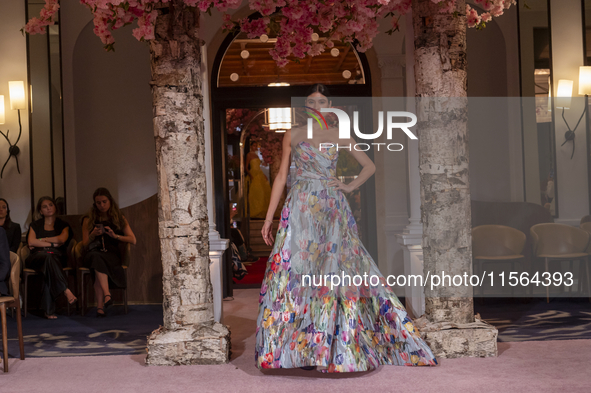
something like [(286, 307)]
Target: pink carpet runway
[(535, 366)]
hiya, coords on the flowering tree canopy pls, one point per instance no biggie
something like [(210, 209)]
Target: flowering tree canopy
[(296, 23)]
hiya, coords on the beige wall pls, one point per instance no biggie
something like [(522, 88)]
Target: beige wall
[(107, 114), (14, 187)]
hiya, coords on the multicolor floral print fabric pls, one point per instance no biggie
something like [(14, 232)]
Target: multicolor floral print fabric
[(344, 328)]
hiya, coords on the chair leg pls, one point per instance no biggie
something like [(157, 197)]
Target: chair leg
[(125, 299), (25, 296), (588, 281), (548, 287), (19, 328), (4, 336), (67, 282), (82, 295)]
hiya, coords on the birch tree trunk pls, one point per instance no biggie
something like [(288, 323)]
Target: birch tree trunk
[(441, 82), (189, 334)]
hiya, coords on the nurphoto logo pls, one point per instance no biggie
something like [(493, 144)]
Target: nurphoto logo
[(345, 128)]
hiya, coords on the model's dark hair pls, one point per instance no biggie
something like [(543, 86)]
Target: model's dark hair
[(318, 88), (40, 202), (114, 214), (7, 220)]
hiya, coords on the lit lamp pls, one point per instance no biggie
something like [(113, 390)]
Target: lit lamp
[(279, 119), (17, 95), (16, 90), (564, 93), (2, 113)]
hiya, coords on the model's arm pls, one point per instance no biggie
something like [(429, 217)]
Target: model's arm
[(367, 171), (281, 178), (278, 186)]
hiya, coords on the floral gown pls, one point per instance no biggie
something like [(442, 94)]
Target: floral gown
[(343, 328)]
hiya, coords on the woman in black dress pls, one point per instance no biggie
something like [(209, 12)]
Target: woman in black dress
[(13, 230), (102, 230), (48, 238)]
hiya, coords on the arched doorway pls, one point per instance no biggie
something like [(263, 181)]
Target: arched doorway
[(245, 77)]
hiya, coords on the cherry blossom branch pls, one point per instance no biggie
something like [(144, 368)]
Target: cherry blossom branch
[(295, 22)]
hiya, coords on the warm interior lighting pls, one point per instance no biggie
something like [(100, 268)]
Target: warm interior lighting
[(17, 95), (2, 114), (275, 84), (584, 80), (279, 119), (549, 95), (564, 93)]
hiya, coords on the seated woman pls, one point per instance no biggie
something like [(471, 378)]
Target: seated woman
[(102, 230), (13, 230), (4, 263), (47, 239)]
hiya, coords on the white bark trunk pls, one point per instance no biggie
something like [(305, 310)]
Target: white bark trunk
[(189, 334), (440, 73)]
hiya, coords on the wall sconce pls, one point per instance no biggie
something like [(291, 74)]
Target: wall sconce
[(18, 102), (563, 100)]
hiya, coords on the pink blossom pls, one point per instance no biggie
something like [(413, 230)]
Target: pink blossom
[(472, 17), (339, 20)]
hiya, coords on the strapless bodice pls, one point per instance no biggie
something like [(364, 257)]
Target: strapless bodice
[(312, 163)]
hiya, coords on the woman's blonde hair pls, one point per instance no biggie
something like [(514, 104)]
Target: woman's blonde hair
[(114, 214)]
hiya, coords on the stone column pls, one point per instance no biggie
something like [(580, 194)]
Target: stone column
[(189, 335), (440, 79)]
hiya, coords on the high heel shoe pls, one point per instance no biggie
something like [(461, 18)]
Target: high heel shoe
[(100, 314), (109, 303)]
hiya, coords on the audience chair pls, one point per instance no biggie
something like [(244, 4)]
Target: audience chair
[(12, 301), (83, 272), (559, 242), (497, 244), (24, 253)]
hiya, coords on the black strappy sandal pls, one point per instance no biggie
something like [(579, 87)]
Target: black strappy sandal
[(100, 314), (110, 302)]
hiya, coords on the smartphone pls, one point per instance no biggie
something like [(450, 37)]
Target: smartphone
[(101, 227)]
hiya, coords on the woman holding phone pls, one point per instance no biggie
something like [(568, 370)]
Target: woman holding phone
[(102, 230)]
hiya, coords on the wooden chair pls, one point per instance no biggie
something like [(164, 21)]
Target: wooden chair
[(497, 244), (559, 242), (12, 301), (83, 272), (24, 253)]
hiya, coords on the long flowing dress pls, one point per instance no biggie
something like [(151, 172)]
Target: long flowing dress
[(259, 190), (344, 328)]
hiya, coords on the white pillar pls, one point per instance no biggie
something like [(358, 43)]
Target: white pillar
[(412, 235), (217, 246)]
